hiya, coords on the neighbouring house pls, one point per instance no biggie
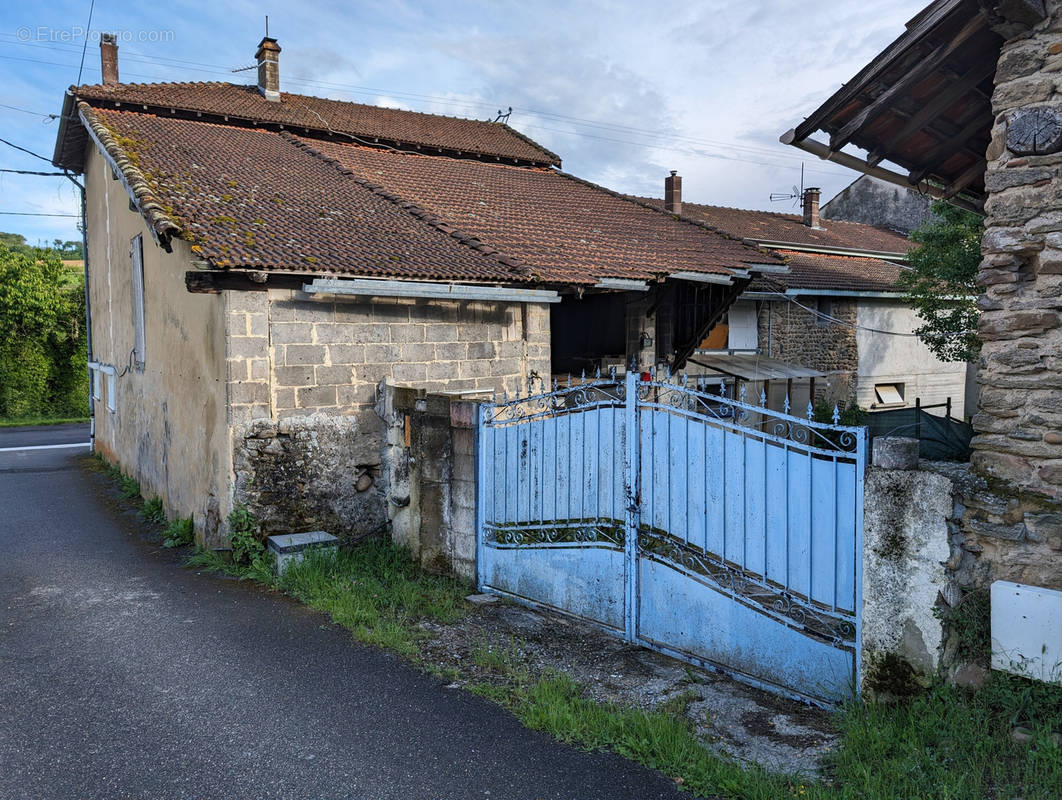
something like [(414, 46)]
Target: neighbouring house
[(879, 203), (260, 262), (834, 326)]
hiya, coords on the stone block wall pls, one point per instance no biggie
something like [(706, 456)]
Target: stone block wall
[(431, 473), (1019, 425), (303, 387)]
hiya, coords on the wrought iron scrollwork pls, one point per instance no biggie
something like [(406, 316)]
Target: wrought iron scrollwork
[(590, 532), (565, 399), (778, 425), (773, 600)]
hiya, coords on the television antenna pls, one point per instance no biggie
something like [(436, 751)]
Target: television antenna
[(796, 195)]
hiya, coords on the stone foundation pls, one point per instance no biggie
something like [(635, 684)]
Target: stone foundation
[(316, 472)]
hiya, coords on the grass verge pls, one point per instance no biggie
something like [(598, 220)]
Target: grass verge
[(947, 744), (18, 422)]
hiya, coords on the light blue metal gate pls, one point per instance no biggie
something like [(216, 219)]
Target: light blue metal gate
[(696, 524)]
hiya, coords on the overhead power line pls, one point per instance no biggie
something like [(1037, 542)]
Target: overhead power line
[(34, 214), (24, 150)]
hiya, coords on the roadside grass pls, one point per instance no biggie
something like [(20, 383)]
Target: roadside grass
[(948, 744), (375, 590), (18, 422)]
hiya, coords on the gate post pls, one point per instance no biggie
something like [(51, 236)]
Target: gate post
[(632, 472), (481, 482)]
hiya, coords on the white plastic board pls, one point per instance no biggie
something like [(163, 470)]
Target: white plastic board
[(1027, 630)]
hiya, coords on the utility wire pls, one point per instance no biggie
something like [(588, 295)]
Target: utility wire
[(33, 214), (32, 172), (27, 111), (84, 47), (830, 318), (24, 150)]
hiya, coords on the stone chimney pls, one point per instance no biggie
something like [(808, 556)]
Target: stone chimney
[(109, 58), (673, 193), (811, 208), (268, 57)]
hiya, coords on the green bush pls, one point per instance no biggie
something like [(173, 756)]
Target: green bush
[(244, 537), (179, 533)]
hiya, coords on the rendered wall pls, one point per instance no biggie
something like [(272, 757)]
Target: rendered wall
[(169, 429), (884, 358)]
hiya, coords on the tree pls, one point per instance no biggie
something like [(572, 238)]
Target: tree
[(941, 283), (42, 336)]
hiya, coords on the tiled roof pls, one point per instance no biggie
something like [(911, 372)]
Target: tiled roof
[(260, 199), (567, 229), (842, 273), (232, 102), (774, 227)]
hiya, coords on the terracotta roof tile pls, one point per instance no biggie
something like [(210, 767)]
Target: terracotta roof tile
[(568, 229), (844, 273), (775, 227), (299, 112), (259, 199)]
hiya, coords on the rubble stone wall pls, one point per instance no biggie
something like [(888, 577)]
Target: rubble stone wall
[(1019, 426)]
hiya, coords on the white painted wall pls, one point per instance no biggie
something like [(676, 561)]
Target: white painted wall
[(884, 358)]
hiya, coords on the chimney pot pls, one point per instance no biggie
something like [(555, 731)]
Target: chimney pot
[(811, 208), (673, 193), (268, 58), (109, 59)]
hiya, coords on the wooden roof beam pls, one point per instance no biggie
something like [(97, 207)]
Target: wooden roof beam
[(912, 76), (969, 175), (948, 146), (928, 113)]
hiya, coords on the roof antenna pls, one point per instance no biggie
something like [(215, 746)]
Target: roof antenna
[(267, 25), (503, 118), (795, 195)]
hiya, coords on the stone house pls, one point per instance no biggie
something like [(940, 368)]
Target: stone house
[(836, 315), (260, 262)]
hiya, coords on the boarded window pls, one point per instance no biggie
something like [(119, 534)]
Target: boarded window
[(136, 259), (889, 394), (742, 321)]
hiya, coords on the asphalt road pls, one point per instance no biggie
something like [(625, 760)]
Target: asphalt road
[(123, 675)]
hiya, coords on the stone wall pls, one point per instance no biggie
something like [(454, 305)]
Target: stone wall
[(873, 201), (292, 356), (789, 333), (314, 472), (935, 538), (431, 474), (1019, 426)]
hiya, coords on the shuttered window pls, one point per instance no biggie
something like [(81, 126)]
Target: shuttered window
[(136, 259)]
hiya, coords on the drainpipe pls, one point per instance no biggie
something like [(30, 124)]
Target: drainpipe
[(88, 312)]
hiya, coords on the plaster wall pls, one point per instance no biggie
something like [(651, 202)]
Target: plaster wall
[(169, 429), (884, 358)]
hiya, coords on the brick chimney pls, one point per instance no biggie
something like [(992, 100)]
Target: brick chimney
[(109, 58), (268, 57), (811, 208), (673, 193)]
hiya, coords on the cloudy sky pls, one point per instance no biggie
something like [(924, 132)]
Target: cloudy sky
[(622, 91)]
